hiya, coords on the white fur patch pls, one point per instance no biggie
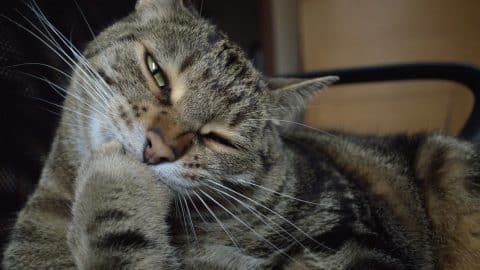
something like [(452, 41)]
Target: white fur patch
[(95, 130), (171, 175), (178, 90)]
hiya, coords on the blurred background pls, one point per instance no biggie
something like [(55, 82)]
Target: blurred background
[(281, 37)]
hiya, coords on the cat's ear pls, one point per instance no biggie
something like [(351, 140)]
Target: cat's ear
[(143, 4), (158, 4), (289, 96)]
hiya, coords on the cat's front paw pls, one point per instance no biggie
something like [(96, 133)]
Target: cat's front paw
[(110, 162), (108, 149), (116, 200)]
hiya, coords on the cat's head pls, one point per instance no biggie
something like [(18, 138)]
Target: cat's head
[(180, 96)]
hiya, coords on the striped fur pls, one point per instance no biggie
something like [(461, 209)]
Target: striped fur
[(275, 197)]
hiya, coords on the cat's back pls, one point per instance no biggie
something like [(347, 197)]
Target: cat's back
[(425, 185), (376, 177)]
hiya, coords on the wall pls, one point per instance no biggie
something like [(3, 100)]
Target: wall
[(345, 33)]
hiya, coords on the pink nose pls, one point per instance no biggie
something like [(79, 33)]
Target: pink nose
[(157, 151)]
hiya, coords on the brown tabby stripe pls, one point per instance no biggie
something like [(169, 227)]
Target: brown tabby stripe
[(437, 162), (54, 206), (105, 77), (100, 47), (189, 61), (130, 239), (237, 119), (266, 158), (233, 98), (242, 72), (206, 75), (231, 59), (472, 183), (105, 216), (129, 37), (112, 214), (126, 37)]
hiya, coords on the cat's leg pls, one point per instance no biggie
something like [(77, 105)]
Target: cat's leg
[(38, 239), (449, 175), (119, 215)]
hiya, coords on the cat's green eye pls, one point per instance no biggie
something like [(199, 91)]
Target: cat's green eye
[(155, 71)]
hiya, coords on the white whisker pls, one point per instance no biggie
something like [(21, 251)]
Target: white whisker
[(53, 46), (245, 224), (68, 109), (189, 216), (184, 220), (85, 19), (295, 123), (196, 209), (91, 72), (62, 92), (260, 216), (217, 219), (271, 211), (277, 193)]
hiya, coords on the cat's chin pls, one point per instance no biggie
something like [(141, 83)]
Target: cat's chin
[(170, 174)]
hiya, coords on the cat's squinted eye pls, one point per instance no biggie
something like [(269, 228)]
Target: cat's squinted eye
[(218, 139)]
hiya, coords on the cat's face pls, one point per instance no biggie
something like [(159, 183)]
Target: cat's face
[(181, 97)]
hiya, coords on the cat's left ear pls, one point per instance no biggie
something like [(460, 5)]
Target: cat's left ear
[(289, 97), (142, 4), (165, 4)]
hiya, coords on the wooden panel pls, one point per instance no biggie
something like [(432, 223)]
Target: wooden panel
[(383, 108), (346, 33)]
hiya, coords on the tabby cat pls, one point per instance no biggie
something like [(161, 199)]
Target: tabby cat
[(173, 152)]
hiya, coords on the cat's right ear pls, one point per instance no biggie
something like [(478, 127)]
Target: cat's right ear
[(165, 4), (142, 4), (151, 9), (288, 97)]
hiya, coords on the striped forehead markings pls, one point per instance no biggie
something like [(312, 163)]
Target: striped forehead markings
[(189, 61), (99, 47)]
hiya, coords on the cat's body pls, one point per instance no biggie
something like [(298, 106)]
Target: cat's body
[(203, 130)]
